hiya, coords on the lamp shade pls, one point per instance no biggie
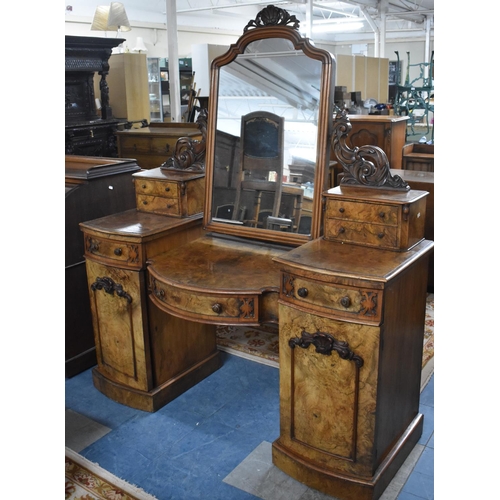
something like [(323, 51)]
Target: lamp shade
[(100, 21), (117, 19), (139, 45)]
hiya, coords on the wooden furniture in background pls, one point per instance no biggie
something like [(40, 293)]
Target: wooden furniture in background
[(418, 157), (87, 133), (151, 146), (94, 187), (128, 86), (385, 131)]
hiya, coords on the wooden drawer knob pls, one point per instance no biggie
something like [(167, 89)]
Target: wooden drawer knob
[(217, 308), (167, 189), (341, 230), (382, 215), (380, 235), (118, 251), (302, 292), (341, 210), (144, 186), (345, 301)]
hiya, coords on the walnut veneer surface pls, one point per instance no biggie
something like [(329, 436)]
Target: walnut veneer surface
[(226, 281), (351, 335), (137, 344)]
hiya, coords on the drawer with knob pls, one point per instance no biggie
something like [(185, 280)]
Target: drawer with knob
[(155, 188), (360, 304), (204, 307), (158, 205), (106, 251)]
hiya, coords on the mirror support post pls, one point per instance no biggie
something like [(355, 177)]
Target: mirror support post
[(173, 62)]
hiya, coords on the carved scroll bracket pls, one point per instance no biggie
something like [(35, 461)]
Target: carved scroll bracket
[(189, 154), (364, 166), (325, 344), (273, 16), (109, 286)]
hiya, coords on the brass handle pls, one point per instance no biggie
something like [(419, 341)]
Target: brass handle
[(118, 251), (345, 301), (217, 308), (302, 292)]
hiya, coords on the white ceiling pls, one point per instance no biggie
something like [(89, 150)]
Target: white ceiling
[(398, 19)]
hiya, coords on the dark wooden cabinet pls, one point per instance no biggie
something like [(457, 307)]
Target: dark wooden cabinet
[(94, 187), (87, 132)]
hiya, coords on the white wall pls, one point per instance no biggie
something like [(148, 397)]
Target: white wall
[(155, 38)]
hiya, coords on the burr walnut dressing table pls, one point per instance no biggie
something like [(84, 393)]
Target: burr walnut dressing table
[(348, 292)]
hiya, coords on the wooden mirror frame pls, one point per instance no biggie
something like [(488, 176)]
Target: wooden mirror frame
[(273, 22)]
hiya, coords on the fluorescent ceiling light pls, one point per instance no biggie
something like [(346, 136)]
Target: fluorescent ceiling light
[(336, 27)]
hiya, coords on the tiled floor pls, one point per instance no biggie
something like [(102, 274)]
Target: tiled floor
[(214, 441)]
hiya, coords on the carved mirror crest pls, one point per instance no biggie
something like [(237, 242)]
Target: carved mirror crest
[(269, 132)]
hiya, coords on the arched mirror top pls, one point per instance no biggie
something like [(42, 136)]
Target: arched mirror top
[(269, 132)]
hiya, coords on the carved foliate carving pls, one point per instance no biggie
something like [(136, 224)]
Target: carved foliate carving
[(273, 16), (109, 286), (325, 344), (364, 166), (189, 154)]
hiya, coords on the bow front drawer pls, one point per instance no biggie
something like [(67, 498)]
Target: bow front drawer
[(113, 252), (336, 301)]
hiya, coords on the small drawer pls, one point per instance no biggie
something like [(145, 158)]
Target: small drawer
[(119, 252), (157, 205), (340, 302), (373, 235), (156, 188), (209, 308), (362, 212)]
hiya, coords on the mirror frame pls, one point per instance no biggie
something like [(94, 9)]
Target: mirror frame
[(256, 31)]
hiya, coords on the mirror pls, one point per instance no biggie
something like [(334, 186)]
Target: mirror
[(269, 133)]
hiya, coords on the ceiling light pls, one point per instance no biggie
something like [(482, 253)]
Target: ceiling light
[(336, 27)]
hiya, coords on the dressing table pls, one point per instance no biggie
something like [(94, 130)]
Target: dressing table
[(347, 290)]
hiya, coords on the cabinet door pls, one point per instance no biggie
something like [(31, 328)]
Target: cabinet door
[(120, 324), (328, 399)]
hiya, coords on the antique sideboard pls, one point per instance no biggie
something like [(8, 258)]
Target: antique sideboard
[(348, 292), (87, 132)]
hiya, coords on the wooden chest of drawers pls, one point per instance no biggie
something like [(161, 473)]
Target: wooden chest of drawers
[(177, 195), (374, 218), (153, 145)]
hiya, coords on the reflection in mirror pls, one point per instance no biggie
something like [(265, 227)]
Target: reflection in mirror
[(266, 138)]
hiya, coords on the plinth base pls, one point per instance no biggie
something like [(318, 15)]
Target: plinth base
[(340, 485), (159, 396)]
